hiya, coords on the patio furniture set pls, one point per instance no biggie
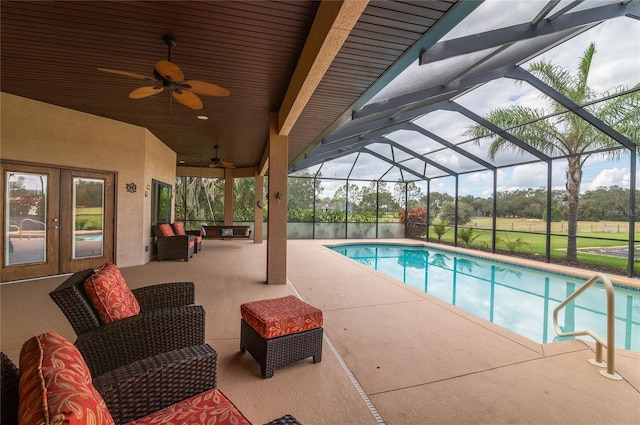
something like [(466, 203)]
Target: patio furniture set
[(140, 355), (173, 242)]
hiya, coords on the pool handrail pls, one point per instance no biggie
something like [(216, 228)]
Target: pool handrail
[(610, 344)]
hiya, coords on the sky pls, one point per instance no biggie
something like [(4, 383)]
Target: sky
[(616, 62)]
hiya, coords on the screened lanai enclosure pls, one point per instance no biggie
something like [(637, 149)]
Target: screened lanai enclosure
[(514, 132)]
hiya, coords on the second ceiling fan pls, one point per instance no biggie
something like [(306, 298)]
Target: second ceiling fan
[(216, 162), (171, 78)]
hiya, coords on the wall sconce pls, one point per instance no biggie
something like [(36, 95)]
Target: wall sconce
[(131, 187)]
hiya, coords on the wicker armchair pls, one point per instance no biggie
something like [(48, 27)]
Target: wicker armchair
[(168, 320), (139, 389), (175, 247), (134, 390)]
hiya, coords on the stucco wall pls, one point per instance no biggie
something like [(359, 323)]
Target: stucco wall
[(46, 134)]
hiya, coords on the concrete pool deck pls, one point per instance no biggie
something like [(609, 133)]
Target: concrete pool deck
[(417, 359)]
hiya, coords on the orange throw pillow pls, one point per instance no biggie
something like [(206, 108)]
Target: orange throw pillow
[(178, 228), (166, 230), (110, 295)]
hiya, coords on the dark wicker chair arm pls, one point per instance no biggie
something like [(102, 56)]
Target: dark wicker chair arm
[(75, 305), (147, 334), (163, 295), (141, 388)]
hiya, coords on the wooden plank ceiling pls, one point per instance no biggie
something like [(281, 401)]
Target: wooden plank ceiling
[(51, 52)]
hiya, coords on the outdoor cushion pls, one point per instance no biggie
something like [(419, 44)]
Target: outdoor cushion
[(55, 385), (178, 229), (281, 316), (110, 295), (226, 232), (166, 230), (210, 407)]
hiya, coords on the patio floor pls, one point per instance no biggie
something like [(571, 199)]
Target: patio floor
[(416, 359)]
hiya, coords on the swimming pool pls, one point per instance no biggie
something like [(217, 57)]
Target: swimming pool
[(518, 298)]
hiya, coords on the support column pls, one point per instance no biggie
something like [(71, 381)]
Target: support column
[(259, 205), (228, 197), (277, 220)]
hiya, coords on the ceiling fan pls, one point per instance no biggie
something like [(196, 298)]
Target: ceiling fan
[(216, 162), (170, 77)]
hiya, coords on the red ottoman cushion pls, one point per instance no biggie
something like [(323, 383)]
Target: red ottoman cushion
[(281, 316)]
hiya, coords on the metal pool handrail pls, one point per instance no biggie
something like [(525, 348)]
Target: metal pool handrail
[(610, 344)]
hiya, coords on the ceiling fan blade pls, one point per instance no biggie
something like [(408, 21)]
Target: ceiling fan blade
[(225, 164), (146, 91), (187, 98), (127, 74), (170, 71), (206, 89)]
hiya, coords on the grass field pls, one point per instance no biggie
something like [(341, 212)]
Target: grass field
[(609, 229), (512, 229)]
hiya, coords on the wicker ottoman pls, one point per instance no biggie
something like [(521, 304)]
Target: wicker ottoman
[(280, 331)]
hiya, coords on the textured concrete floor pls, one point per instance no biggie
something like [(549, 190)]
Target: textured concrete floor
[(417, 359)]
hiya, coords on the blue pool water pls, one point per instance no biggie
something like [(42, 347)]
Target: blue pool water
[(518, 298)]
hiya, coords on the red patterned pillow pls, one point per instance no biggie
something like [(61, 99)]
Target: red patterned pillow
[(210, 407), (281, 316), (178, 228), (55, 385), (110, 295), (166, 230)]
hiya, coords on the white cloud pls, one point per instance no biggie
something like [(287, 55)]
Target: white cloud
[(529, 175), (610, 177)]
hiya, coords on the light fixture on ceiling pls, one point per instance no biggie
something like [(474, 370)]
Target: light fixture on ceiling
[(202, 117)]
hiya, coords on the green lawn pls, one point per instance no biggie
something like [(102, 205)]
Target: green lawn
[(535, 243)]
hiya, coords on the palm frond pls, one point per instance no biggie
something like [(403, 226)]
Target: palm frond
[(582, 90)]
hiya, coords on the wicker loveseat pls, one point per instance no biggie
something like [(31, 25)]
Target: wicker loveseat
[(178, 229), (167, 320), (171, 246)]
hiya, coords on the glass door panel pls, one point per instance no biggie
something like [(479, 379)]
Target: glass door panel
[(30, 221), (25, 215), (88, 218), (87, 215)]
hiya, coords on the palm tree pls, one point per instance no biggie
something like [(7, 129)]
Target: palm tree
[(566, 134)]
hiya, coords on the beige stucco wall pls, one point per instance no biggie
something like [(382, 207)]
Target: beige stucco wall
[(46, 134)]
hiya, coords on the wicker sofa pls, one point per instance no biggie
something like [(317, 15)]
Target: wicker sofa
[(168, 320)]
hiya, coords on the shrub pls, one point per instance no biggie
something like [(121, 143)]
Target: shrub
[(467, 236), (414, 215), (440, 228)]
